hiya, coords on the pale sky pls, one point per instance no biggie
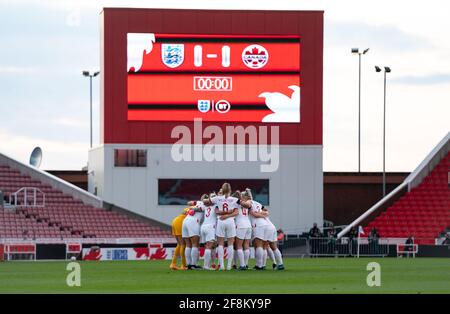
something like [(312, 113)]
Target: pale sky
[(44, 99)]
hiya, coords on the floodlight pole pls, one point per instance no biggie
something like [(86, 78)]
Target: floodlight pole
[(386, 70), (90, 94), (359, 116), (384, 137), (359, 53), (90, 75)]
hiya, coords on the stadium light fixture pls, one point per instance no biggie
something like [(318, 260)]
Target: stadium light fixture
[(386, 70), (90, 75), (356, 51)]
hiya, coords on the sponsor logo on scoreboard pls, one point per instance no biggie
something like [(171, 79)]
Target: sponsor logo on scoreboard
[(172, 55), (221, 106), (255, 56)]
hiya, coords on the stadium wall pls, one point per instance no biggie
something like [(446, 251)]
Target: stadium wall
[(295, 189), (365, 188)]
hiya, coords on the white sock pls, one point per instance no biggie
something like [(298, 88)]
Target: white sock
[(271, 255), (213, 256), (220, 253), (230, 257), (240, 254), (264, 257), (246, 256), (259, 255), (187, 254), (207, 261), (194, 255), (278, 257)]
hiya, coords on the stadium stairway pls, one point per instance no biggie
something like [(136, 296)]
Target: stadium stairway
[(63, 216), (423, 213)]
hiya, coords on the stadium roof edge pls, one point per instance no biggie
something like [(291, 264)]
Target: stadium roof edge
[(224, 10), (52, 180)]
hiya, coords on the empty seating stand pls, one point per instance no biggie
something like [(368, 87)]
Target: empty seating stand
[(423, 213), (63, 217)]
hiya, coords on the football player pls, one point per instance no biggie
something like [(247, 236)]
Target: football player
[(208, 231), (260, 230), (191, 232), (226, 209), (177, 224), (272, 244), (243, 232)]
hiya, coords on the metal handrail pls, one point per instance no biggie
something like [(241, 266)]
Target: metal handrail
[(428, 164), (372, 209), (14, 196)]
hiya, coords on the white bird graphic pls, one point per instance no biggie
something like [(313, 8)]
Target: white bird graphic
[(137, 45), (285, 109)]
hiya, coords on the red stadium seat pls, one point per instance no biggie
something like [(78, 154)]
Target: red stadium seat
[(424, 212), (62, 210)]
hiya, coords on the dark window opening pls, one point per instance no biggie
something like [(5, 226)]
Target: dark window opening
[(130, 158), (180, 191)]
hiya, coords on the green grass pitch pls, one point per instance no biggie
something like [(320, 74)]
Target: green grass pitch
[(325, 275)]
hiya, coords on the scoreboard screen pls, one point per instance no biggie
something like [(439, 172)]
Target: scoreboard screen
[(179, 77)]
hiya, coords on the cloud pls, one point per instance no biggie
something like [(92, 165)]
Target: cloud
[(17, 70), (69, 122), (381, 36), (431, 79)]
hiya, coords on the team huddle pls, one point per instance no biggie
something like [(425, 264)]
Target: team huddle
[(234, 218)]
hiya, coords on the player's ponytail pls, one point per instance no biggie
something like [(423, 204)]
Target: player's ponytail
[(226, 188), (249, 193)]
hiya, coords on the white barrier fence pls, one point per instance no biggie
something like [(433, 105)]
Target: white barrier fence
[(333, 247)]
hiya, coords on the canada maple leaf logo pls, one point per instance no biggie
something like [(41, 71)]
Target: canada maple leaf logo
[(255, 51), (255, 56)]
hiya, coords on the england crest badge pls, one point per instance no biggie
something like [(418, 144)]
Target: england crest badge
[(172, 54), (203, 105)]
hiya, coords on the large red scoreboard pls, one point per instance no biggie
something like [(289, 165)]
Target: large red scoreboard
[(162, 68)]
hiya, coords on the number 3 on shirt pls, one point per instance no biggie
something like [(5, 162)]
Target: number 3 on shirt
[(208, 212)]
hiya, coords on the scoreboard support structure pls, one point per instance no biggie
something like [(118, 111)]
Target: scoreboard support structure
[(255, 71)]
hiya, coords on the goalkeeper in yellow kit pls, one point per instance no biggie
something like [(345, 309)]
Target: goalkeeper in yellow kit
[(177, 224)]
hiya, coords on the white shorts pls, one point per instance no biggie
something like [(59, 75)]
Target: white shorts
[(190, 229), (271, 234), (244, 233), (208, 233), (226, 228), (265, 233)]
